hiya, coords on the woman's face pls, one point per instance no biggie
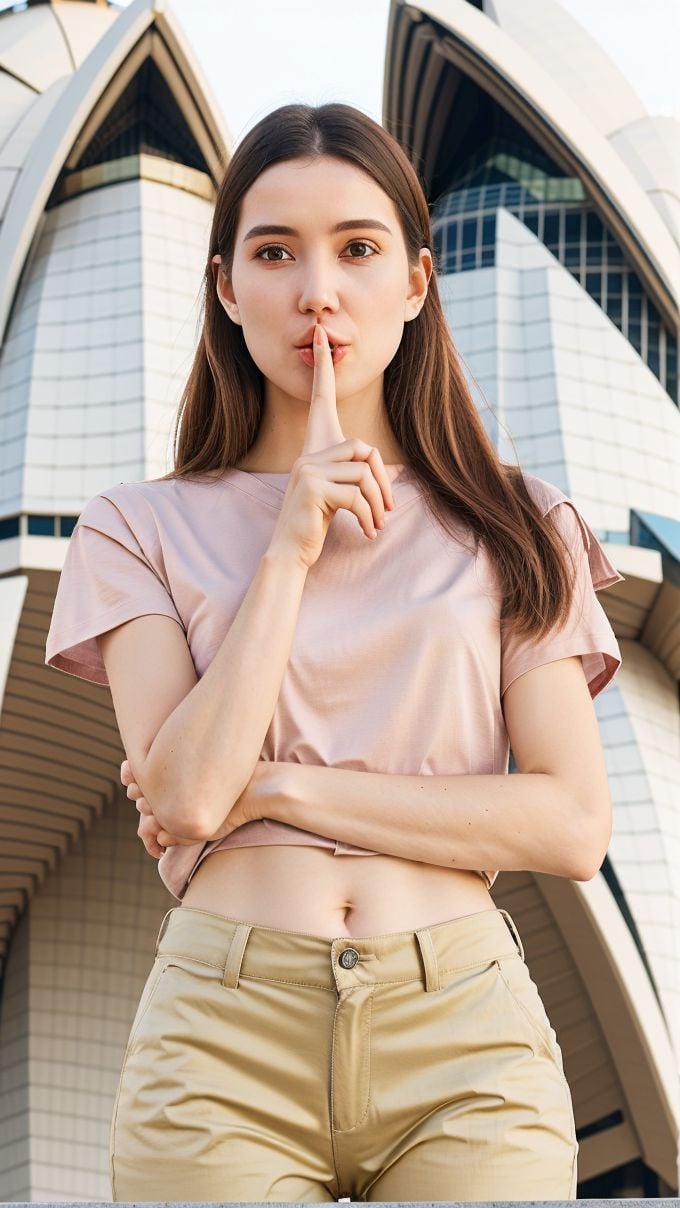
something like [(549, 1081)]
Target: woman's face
[(355, 280)]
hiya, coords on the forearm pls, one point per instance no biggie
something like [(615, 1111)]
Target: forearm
[(508, 822), (204, 754)]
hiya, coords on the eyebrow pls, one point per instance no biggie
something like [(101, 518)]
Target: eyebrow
[(350, 224)]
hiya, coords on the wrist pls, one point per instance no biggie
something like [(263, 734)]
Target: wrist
[(275, 787), (282, 557)]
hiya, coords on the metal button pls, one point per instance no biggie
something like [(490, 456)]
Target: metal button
[(349, 958)]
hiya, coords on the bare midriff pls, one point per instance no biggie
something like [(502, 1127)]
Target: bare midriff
[(310, 889)]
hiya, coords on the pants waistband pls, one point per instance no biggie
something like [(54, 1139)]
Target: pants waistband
[(241, 949)]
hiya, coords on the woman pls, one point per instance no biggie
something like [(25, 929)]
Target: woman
[(322, 632)]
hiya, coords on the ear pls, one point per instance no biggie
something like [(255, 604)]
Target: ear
[(418, 282), (224, 290)]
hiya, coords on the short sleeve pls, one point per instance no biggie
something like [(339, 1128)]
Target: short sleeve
[(107, 578), (587, 630)]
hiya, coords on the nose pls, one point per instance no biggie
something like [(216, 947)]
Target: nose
[(318, 292)]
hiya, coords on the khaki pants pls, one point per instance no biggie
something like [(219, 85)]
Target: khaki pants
[(278, 1065)]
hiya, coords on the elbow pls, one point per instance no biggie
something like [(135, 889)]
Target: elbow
[(590, 861), (169, 806)]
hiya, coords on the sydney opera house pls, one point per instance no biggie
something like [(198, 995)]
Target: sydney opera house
[(554, 200)]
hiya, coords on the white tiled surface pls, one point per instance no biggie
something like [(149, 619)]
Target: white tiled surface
[(582, 410), (100, 344), (578, 404), (75, 972)]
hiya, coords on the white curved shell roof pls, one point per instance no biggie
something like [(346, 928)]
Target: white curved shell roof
[(648, 145), (534, 58), (56, 60), (572, 57)]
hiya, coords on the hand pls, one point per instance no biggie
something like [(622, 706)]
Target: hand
[(331, 473), (246, 808)]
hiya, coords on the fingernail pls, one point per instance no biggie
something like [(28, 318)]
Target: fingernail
[(317, 334)]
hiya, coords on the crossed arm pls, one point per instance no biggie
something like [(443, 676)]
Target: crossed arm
[(552, 816)]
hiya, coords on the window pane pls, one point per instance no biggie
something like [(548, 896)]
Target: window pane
[(469, 232), (634, 335), (614, 310), (551, 228), (653, 336), (41, 526), (572, 232), (68, 523), (594, 228), (9, 527)]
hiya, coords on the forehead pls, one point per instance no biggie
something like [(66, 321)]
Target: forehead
[(316, 193)]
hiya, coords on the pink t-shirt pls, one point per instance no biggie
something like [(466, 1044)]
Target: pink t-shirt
[(398, 662)]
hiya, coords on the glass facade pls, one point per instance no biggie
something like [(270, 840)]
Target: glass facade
[(36, 525), (511, 171)]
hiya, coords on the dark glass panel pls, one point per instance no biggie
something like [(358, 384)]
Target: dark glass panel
[(572, 229), (635, 335), (594, 227), (9, 527), (551, 228), (469, 232), (41, 526), (615, 310), (652, 336), (614, 252)]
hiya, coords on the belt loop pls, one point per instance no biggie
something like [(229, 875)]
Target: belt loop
[(513, 931), (163, 928), (429, 960), (232, 965)]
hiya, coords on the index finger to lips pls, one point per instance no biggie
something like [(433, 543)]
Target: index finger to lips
[(323, 424)]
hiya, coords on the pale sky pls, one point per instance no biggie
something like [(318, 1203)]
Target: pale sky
[(259, 54)]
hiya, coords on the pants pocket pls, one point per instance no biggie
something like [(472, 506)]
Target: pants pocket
[(522, 992), (150, 986)]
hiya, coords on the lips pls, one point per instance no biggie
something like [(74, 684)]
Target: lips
[(334, 340)]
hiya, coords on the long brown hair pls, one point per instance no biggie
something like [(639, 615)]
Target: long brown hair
[(428, 403)]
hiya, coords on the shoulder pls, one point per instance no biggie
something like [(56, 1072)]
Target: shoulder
[(572, 525), (544, 493), (132, 502)]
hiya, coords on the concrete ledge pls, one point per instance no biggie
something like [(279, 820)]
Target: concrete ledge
[(622, 1203)]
